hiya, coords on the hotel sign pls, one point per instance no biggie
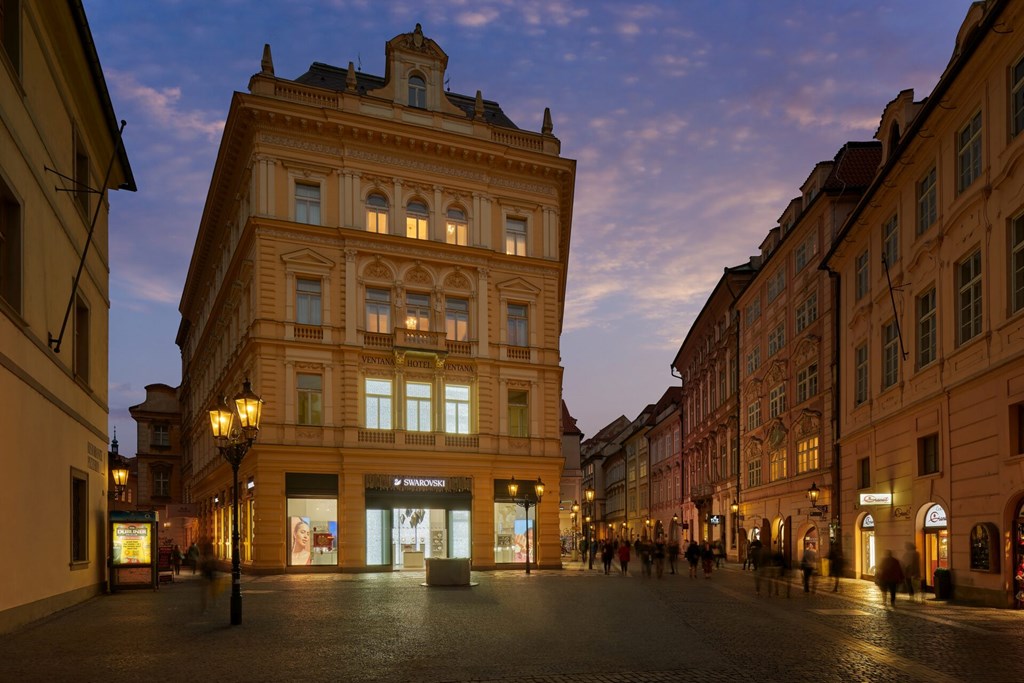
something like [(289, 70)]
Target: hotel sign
[(876, 499)]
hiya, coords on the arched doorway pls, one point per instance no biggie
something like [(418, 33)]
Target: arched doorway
[(866, 547), (936, 542)]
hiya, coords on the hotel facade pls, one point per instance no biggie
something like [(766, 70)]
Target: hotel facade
[(385, 261)]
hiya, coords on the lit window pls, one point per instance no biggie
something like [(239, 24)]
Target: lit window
[(891, 240), (377, 214), (417, 92), (807, 383), (456, 227), (378, 404), (10, 248), (754, 472), (417, 311), (518, 413), (861, 270), (416, 221), (777, 465), (860, 375), (310, 399), (417, 407), (517, 325), (927, 204), (515, 237), (456, 317), (307, 302), (969, 298), (307, 203), (456, 409), (378, 311), (969, 153), (926, 340), (890, 354), (807, 455), (777, 401)]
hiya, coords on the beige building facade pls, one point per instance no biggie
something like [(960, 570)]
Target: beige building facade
[(386, 262), (930, 269), (55, 113)]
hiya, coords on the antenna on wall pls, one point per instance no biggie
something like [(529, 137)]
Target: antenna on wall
[(359, 62)]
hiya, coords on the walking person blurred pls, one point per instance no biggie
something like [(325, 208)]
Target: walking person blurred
[(707, 558), (889, 577), (807, 562), (659, 557), (673, 555), (835, 565), (606, 556), (692, 557), (624, 557), (912, 569)]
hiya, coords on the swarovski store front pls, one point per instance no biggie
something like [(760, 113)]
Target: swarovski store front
[(410, 519)]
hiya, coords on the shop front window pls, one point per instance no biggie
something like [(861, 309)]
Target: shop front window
[(867, 546), (312, 531), (513, 533)]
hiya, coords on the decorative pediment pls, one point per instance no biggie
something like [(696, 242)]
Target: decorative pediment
[(457, 280), (418, 276), (517, 285), (752, 391), (808, 424), (777, 433), (753, 448), (307, 260), (807, 350), (776, 372)]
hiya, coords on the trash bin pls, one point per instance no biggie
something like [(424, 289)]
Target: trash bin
[(826, 569), (943, 584)]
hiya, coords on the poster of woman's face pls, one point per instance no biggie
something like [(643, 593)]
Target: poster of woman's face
[(301, 541)]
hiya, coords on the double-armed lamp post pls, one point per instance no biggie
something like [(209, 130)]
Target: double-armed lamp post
[(233, 443), (588, 496), (526, 502)]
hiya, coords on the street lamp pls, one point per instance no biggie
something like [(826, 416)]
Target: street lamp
[(538, 489), (813, 493), (575, 534), (588, 495), (119, 473), (233, 443)]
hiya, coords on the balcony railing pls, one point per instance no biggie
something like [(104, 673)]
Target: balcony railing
[(309, 333), (518, 353), (378, 340), (459, 348), (421, 340)]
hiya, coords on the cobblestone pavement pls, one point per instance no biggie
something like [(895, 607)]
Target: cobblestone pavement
[(568, 626)]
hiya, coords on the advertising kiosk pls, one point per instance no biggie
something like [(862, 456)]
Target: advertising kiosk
[(133, 549)]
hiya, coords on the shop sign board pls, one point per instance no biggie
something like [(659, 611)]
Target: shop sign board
[(876, 499)]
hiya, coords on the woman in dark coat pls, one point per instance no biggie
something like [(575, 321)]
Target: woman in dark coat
[(889, 576)]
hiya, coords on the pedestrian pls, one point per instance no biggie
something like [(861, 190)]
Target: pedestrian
[(606, 556), (719, 549), (889, 577), (176, 558), (781, 567), (646, 557), (207, 568), (911, 569), (192, 556), (707, 558), (673, 555), (692, 557), (762, 563), (754, 553), (659, 557), (807, 562), (835, 565), (624, 557)]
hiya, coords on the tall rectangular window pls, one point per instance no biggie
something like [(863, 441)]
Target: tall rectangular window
[(776, 339), (417, 407), (515, 236), (82, 333), (968, 153), (1017, 264), (777, 401), (777, 465), (1017, 98), (806, 312), (378, 404), (969, 297), (311, 399), (10, 32), (456, 319), (861, 274), (10, 247), (863, 473), (776, 284), (161, 435), (754, 414), (807, 455), (753, 472), (416, 221), (807, 383), (804, 252), (161, 483), (518, 413), (891, 240), (518, 328), (753, 360), (753, 311), (927, 202), (378, 311), (928, 454), (307, 301), (377, 214), (456, 409), (860, 375), (926, 340), (417, 311), (79, 516), (890, 354), (307, 203), (456, 228)]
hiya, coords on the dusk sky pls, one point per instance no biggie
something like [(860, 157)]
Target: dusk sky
[(693, 123)]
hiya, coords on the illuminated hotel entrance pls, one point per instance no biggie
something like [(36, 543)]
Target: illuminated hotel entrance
[(411, 519)]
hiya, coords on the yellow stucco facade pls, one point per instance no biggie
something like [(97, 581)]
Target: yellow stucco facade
[(385, 261), (55, 113)]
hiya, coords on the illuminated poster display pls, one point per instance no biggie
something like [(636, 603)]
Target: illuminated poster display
[(132, 543)]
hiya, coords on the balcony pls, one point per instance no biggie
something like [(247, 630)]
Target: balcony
[(520, 353), (308, 333), (420, 340)]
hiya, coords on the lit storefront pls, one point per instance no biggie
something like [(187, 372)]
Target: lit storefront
[(936, 542)]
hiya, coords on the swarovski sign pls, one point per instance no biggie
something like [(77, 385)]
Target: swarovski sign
[(416, 482), (876, 499)]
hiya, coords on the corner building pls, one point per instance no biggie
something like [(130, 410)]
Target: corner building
[(386, 262)]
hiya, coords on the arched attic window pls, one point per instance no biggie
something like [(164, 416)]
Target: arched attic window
[(417, 92)]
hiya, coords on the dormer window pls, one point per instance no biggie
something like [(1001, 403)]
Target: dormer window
[(417, 92)]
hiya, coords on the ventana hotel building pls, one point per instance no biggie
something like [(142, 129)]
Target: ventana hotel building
[(385, 261)]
